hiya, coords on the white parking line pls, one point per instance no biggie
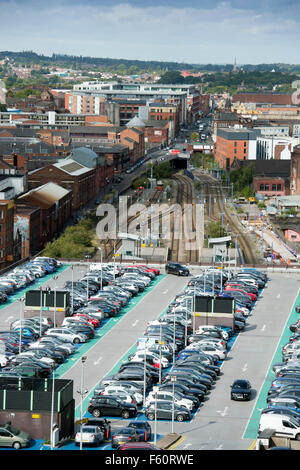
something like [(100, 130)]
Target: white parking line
[(98, 360)]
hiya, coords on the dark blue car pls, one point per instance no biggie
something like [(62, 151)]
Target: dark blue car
[(143, 428)]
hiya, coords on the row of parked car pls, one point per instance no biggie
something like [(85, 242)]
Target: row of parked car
[(283, 399), (34, 347), (24, 275), (170, 349)]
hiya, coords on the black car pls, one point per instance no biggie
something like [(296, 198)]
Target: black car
[(103, 424), (32, 370), (111, 406), (240, 390), (121, 436), (176, 268), (143, 428)]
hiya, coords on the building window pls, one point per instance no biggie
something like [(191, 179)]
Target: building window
[(278, 187), (273, 187), (1, 214), (266, 187), (261, 187), (235, 144)]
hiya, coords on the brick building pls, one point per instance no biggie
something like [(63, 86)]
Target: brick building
[(231, 144), (295, 171), (268, 186), (27, 220), (55, 204), (70, 175), (160, 111), (6, 232)]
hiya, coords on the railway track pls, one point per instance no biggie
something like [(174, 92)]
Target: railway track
[(185, 195), (110, 247), (213, 193)]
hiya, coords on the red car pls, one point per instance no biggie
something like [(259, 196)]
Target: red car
[(146, 268), (235, 289), (94, 321)]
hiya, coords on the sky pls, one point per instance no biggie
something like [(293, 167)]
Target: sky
[(190, 31)]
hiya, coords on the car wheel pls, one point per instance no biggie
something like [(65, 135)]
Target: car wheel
[(76, 341), (125, 414), (297, 437), (151, 416), (180, 418), (96, 413), (17, 445)]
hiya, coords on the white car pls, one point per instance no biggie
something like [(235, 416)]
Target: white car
[(204, 328), (89, 435), (3, 360), (67, 334), (216, 343), (117, 389), (122, 395), (213, 351), (168, 396), (139, 356), (30, 354)]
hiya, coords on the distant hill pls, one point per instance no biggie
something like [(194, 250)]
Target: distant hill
[(30, 57)]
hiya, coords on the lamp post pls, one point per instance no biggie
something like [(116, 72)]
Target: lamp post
[(173, 380), (21, 323), (82, 393), (155, 390), (52, 411), (54, 288), (72, 280), (41, 307), (101, 261)]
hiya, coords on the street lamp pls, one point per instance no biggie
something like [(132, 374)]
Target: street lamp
[(173, 380), (155, 391), (52, 411), (72, 280), (21, 323), (101, 261), (82, 393), (54, 288)]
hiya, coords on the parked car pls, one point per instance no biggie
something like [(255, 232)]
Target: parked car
[(13, 437), (121, 436), (111, 406), (89, 435), (143, 428), (163, 410)]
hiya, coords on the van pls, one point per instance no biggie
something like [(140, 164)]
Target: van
[(283, 425)]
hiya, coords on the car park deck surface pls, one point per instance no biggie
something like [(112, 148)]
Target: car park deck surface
[(219, 423)]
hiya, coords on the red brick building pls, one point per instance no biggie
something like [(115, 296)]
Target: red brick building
[(70, 175), (268, 186), (6, 233), (234, 144), (295, 171), (27, 220), (55, 204)]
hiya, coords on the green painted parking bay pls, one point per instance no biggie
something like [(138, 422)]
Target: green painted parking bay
[(261, 403)]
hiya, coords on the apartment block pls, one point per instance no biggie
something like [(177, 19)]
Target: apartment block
[(234, 144)]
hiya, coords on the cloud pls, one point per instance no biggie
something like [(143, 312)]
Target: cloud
[(191, 31)]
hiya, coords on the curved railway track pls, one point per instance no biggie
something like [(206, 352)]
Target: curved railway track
[(215, 207)]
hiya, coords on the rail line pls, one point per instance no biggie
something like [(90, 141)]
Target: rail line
[(184, 195), (214, 210), (109, 246)]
